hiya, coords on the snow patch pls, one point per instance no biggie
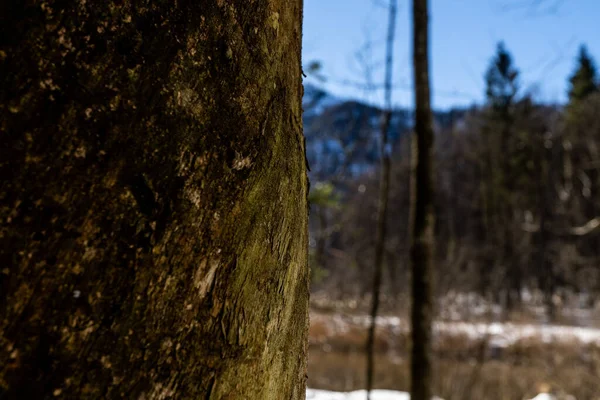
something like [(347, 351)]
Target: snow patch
[(544, 396), (314, 394), (498, 333)]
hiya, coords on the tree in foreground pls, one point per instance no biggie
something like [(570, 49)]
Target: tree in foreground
[(153, 220), (422, 212)]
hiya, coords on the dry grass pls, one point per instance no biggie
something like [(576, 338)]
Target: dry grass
[(465, 368)]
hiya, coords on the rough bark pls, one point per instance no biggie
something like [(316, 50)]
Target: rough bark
[(422, 212), (153, 219), (384, 193)]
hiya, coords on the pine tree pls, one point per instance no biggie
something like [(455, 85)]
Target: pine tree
[(583, 82), (502, 82), (502, 86)]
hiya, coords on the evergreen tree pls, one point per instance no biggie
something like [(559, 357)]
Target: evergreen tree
[(502, 86), (583, 82), (501, 79)]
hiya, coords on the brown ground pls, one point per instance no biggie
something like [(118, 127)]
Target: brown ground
[(465, 368)]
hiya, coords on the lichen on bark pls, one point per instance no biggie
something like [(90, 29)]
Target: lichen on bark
[(153, 230)]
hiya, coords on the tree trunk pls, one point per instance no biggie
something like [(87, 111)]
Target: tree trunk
[(321, 238), (153, 219), (511, 266), (422, 212), (384, 193), (545, 271)]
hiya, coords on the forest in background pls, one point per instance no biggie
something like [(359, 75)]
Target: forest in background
[(517, 193), (515, 274)]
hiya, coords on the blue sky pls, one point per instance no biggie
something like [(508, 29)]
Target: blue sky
[(464, 34)]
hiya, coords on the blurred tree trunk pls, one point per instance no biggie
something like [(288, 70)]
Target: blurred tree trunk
[(545, 271), (422, 212), (384, 194), (507, 207), (153, 219), (321, 237)]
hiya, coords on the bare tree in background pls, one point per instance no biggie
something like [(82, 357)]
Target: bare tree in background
[(384, 189), (422, 212)]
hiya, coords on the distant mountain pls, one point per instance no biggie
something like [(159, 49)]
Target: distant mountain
[(342, 136), (316, 100)]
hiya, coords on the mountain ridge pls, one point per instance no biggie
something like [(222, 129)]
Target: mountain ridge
[(342, 135)]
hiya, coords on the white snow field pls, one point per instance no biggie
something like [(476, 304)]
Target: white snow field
[(315, 394)]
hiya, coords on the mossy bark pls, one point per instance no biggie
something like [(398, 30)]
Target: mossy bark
[(153, 219)]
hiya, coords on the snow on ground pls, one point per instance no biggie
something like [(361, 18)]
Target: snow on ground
[(543, 396), (314, 394), (499, 334), (505, 334)]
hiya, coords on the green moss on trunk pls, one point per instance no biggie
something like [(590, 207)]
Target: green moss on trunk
[(153, 207)]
